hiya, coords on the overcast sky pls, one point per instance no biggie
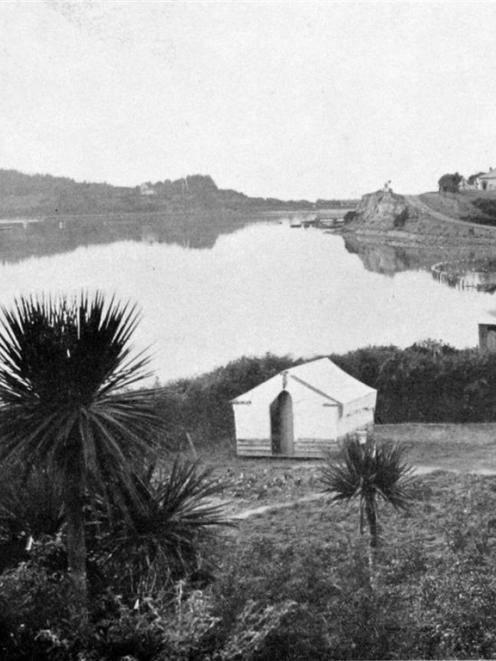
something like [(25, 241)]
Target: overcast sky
[(286, 99)]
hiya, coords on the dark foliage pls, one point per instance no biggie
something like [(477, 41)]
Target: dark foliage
[(164, 532), (65, 369), (201, 405), (369, 470), (450, 183), (65, 405), (401, 218), (488, 207), (30, 507), (368, 473)]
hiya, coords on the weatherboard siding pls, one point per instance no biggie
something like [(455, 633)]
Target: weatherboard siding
[(303, 447), (313, 447), (255, 447)]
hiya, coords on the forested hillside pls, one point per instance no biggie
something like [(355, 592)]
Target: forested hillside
[(42, 194)]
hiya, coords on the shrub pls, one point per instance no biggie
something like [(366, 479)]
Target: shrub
[(400, 219), (29, 506), (201, 405), (33, 613), (159, 540), (427, 382), (457, 610)]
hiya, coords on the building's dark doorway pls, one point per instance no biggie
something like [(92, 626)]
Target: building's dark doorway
[(281, 424)]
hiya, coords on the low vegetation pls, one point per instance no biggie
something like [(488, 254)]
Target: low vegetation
[(165, 575), (434, 589), (475, 206), (292, 584)]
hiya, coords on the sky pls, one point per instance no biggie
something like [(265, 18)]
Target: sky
[(284, 99)]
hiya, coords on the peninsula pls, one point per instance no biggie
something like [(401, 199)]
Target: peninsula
[(468, 216)]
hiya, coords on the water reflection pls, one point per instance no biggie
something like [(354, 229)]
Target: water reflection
[(265, 287), (389, 259), (22, 239), (475, 274)]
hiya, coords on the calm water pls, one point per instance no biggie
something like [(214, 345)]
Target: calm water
[(261, 287)]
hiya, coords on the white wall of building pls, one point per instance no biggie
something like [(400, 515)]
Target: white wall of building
[(318, 420)]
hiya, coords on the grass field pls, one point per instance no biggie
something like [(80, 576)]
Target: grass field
[(251, 483), (455, 447), (434, 586)]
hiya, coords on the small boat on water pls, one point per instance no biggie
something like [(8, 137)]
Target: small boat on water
[(330, 223), (295, 222)]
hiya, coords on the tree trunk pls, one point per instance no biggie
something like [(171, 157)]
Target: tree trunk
[(76, 549), (371, 514)]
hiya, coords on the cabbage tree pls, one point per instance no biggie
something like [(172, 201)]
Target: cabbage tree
[(67, 404), (369, 473)]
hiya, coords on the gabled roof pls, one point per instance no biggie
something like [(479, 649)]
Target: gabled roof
[(322, 377), (489, 175)]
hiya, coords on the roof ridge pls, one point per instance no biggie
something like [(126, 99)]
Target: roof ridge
[(320, 392)]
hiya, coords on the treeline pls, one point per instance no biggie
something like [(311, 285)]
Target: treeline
[(32, 195), (426, 382)]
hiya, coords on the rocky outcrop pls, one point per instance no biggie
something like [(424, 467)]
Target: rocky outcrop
[(408, 220), (382, 211)]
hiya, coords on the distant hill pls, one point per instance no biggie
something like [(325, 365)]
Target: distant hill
[(42, 194)]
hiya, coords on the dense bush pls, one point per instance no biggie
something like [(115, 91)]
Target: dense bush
[(488, 207), (136, 555), (34, 607), (201, 405), (431, 382)]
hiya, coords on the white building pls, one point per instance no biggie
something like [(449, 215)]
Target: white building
[(488, 180), (147, 189), (302, 412)]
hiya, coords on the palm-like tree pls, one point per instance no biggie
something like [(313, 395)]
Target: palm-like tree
[(65, 404), (162, 536), (369, 472)]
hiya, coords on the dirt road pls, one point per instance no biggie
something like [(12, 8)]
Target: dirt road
[(425, 210), (419, 470)]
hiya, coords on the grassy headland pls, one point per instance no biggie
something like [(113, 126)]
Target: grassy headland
[(467, 217)]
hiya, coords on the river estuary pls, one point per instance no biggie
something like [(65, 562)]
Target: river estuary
[(242, 289)]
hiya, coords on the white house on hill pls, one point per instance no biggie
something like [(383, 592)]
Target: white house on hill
[(302, 412), (488, 180)]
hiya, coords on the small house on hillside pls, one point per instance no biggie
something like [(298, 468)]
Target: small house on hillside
[(488, 180), (147, 189), (473, 182), (302, 412)]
